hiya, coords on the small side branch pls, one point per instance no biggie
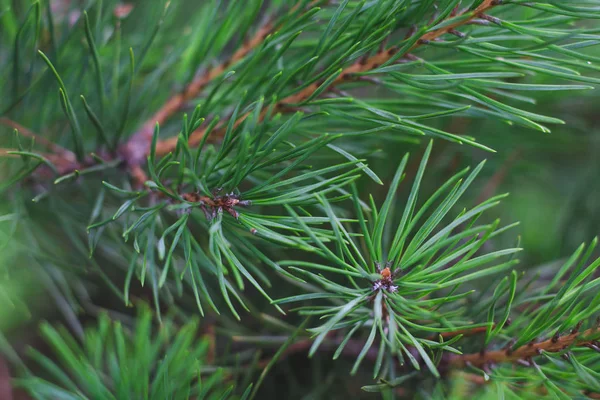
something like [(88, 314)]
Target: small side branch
[(61, 165), (138, 146), (136, 149), (522, 354), (347, 75), (464, 332), (56, 149)]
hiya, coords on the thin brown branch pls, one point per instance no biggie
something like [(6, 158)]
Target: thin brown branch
[(480, 380), (63, 165), (5, 384), (138, 146), (212, 344), (301, 346), (352, 349), (496, 180), (138, 176), (454, 361), (8, 153), (473, 378), (525, 352), (347, 75), (464, 332), (58, 150)]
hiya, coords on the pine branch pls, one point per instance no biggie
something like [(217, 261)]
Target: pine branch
[(408, 276), (5, 381), (168, 145), (464, 332), (138, 146), (57, 149), (526, 352), (353, 347), (57, 162), (496, 180)]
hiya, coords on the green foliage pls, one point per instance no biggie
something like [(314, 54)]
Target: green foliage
[(112, 363), (410, 281), (227, 159), (546, 308)]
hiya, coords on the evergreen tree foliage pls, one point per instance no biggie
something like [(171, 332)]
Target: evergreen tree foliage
[(208, 199)]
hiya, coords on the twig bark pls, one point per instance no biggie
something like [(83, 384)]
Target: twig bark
[(62, 164), (58, 150), (496, 180), (354, 346), (133, 153), (352, 349), (168, 145), (464, 332), (137, 147), (5, 385), (556, 344)]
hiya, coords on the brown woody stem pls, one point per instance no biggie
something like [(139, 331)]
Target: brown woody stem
[(58, 150), (553, 345), (136, 149), (62, 164), (464, 332), (138, 146), (168, 145)]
